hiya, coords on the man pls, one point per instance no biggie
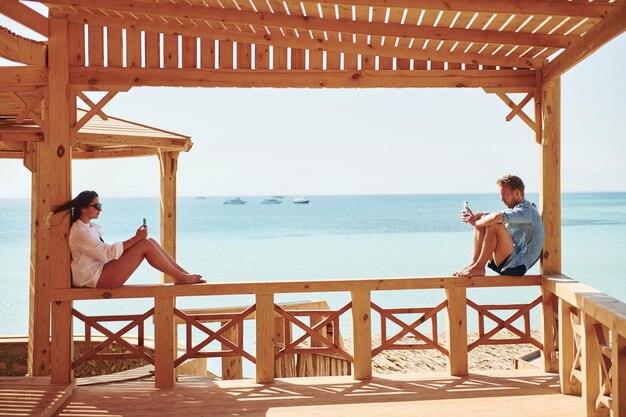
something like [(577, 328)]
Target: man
[(507, 241)]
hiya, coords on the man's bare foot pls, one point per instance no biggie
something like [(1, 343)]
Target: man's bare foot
[(460, 271), (189, 279), (472, 272)]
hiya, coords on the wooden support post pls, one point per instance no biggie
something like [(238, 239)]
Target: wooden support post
[(54, 185), (232, 365), (618, 374), (549, 331), (164, 344), (264, 338), (169, 165), (361, 334), (456, 331), (39, 317), (590, 365), (567, 350), (550, 193)]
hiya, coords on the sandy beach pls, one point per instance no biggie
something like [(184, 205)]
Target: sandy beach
[(493, 357)]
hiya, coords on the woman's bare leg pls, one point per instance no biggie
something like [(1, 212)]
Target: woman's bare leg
[(116, 273), (168, 256)]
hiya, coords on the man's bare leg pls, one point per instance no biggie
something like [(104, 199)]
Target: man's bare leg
[(497, 245), (479, 237)]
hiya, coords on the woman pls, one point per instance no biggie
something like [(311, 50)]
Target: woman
[(101, 265)]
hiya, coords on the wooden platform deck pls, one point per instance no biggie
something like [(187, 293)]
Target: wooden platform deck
[(502, 393), (32, 397)]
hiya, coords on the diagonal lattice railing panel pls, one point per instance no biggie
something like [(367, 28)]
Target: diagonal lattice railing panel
[(95, 322), (604, 399), (427, 313), (575, 372), (229, 320), (319, 343), (521, 311)]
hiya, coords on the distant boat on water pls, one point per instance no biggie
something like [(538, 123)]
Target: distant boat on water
[(272, 200), (234, 201), (301, 200)]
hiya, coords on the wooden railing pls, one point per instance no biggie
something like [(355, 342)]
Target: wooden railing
[(591, 343), (584, 330)]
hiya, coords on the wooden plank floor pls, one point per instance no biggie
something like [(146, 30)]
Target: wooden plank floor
[(502, 393), (32, 397)]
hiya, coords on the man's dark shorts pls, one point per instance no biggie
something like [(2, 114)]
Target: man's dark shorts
[(516, 271)]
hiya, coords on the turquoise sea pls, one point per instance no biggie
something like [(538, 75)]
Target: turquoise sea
[(332, 237)]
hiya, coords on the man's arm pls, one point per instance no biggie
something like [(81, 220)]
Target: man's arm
[(488, 219)]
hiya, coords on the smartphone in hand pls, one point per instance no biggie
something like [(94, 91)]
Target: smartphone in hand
[(465, 206), (144, 222)]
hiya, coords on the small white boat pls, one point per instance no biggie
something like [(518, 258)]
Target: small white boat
[(301, 200), (271, 201), (235, 201)]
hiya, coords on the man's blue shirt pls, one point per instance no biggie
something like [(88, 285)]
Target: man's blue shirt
[(526, 229)]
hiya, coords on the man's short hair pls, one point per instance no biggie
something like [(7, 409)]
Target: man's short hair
[(512, 181)]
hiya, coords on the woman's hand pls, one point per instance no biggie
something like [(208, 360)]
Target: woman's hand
[(142, 233)]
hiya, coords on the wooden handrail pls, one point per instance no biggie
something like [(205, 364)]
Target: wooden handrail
[(602, 307), (284, 287)]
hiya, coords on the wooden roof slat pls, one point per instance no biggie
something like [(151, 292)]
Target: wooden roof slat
[(581, 8), (311, 23), (25, 16), (603, 32), (19, 49), (331, 45)]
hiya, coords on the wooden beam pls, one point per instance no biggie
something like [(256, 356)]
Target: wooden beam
[(121, 153), (168, 162), (550, 192), (103, 140), (21, 134), (216, 14), (164, 375), (104, 78), (54, 189), (549, 331), (11, 77), (318, 43), (362, 334), (609, 28), (264, 338), (618, 374), (25, 15), (578, 8), (607, 310), (19, 49), (321, 285), (30, 156), (456, 331)]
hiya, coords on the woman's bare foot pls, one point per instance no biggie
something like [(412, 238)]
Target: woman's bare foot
[(189, 279), (472, 272)]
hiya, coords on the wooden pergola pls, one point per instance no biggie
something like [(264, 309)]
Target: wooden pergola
[(502, 46)]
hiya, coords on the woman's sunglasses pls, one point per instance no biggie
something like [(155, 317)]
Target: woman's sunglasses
[(96, 206)]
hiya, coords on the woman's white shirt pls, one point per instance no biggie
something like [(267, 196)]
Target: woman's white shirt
[(90, 253)]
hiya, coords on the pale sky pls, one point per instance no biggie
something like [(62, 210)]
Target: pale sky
[(348, 141)]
